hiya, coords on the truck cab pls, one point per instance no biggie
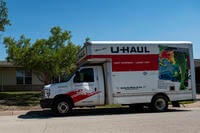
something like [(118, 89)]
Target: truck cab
[(85, 87)]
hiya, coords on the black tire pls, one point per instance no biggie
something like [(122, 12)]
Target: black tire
[(137, 107), (159, 103), (62, 107)]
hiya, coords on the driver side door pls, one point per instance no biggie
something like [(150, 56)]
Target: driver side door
[(85, 85)]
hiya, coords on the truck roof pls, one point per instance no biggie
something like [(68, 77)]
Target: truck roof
[(138, 42)]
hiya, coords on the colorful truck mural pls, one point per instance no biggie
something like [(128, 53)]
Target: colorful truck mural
[(174, 65)]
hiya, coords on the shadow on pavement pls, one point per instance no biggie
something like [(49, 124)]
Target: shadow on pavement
[(46, 114)]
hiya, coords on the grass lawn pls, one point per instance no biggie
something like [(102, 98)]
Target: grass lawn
[(187, 102), (19, 98), (111, 106)]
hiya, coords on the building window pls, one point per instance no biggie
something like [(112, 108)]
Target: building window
[(20, 76), (59, 79), (55, 80), (23, 77)]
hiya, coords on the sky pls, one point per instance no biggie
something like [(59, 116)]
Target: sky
[(106, 20)]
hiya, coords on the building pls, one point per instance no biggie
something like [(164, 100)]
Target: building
[(15, 78), (197, 74)]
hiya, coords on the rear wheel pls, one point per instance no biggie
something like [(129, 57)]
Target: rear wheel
[(62, 107), (160, 103)]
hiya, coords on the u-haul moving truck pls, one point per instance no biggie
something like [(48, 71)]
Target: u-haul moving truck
[(134, 73)]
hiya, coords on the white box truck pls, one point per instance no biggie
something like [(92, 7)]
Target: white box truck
[(134, 73)]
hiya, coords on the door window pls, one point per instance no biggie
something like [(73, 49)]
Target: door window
[(85, 75)]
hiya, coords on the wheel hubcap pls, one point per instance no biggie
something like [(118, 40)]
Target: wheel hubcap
[(63, 107), (160, 104)]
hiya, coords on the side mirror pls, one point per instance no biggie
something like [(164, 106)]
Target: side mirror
[(77, 73), (77, 77)]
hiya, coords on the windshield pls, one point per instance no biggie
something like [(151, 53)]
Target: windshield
[(70, 76)]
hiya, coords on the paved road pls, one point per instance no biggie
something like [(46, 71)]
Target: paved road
[(104, 121)]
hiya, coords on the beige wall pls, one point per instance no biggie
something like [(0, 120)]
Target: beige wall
[(8, 81), (8, 76)]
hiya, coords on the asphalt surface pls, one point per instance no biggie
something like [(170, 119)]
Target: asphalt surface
[(121, 120)]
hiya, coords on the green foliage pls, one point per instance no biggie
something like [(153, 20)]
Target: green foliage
[(87, 39), (20, 98), (3, 16), (46, 57)]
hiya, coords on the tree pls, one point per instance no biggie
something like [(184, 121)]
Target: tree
[(45, 57), (87, 39), (3, 16)]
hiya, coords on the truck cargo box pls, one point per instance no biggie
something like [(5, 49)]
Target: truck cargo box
[(143, 68)]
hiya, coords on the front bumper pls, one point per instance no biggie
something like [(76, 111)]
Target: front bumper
[(46, 103)]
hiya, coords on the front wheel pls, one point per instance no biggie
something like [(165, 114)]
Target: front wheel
[(62, 107), (160, 103)]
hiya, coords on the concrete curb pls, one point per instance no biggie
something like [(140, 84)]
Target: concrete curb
[(10, 113)]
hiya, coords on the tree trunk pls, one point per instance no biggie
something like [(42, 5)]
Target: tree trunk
[(47, 79), (43, 77)]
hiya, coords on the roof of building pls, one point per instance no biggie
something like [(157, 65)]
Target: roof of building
[(7, 64)]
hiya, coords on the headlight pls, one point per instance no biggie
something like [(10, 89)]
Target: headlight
[(46, 92)]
